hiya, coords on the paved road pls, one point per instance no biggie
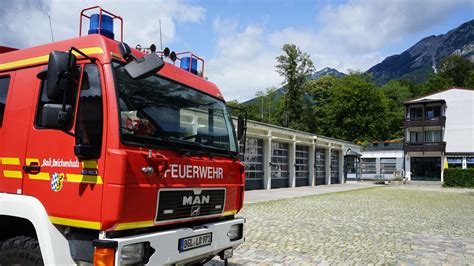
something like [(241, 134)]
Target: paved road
[(254, 196), (384, 225)]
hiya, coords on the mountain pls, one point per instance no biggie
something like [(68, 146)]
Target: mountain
[(327, 71), (421, 59)]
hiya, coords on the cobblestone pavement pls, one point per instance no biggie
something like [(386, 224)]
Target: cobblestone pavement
[(384, 225)]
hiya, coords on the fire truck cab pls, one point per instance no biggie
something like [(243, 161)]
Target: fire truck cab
[(109, 155)]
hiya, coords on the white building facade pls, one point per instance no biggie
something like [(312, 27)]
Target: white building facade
[(382, 164), (439, 133)]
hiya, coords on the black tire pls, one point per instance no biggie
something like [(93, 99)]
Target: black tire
[(20, 250)]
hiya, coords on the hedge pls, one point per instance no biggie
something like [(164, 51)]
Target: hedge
[(455, 177)]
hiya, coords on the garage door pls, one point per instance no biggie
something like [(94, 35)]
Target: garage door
[(302, 166), (253, 161), (279, 165), (320, 166), (335, 167)]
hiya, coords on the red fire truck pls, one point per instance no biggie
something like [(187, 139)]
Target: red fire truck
[(110, 155)]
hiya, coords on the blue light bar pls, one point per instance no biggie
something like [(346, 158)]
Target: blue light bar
[(106, 26), (189, 62)]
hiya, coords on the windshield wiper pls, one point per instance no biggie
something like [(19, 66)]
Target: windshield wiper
[(207, 149), (202, 148)]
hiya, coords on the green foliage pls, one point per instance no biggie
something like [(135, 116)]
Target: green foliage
[(433, 84), (456, 69), (351, 107), (456, 177), (318, 94), (357, 110), (295, 66), (397, 92)]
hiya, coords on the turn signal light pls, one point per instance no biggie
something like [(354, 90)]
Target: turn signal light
[(104, 256)]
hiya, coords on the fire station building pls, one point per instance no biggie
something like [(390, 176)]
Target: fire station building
[(277, 157)]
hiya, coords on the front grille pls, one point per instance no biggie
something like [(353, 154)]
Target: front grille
[(179, 204)]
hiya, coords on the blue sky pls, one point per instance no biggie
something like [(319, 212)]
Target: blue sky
[(240, 38)]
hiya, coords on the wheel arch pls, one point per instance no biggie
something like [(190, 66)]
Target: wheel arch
[(32, 215)]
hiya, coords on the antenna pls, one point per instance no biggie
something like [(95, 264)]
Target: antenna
[(161, 40), (51, 28)]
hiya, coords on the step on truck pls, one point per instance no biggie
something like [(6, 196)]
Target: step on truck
[(113, 155)]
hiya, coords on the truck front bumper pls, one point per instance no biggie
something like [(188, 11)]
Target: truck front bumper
[(165, 243)]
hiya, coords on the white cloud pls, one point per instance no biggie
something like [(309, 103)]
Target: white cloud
[(344, 36), (347, 36), (365, 26), (140, 20), (243, 63)]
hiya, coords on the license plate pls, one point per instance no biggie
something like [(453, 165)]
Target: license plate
[(194, 242)]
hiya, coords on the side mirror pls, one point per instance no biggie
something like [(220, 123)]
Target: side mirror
[(241, 127), (61, 74), (54, 117), (143, 67)]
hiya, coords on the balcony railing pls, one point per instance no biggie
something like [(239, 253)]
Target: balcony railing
[(426, 122), (425, 146)]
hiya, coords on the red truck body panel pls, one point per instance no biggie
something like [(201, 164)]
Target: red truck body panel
[(121, 196)]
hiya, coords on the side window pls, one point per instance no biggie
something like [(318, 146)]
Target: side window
[(89, 120), (44, 99), (4, 83)]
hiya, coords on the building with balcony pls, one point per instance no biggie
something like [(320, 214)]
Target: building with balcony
[(439, 132)]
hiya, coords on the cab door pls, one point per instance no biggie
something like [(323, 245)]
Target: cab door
[(15, 102), (70, 188)]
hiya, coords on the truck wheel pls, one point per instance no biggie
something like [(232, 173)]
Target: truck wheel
[(20, 250)]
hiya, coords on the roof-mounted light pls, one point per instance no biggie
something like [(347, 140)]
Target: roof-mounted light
[(103, 25), (101, 22), (189, 64)]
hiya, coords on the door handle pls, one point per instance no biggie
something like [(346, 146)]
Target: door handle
[(33, 168)]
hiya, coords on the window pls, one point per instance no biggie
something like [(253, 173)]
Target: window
[(388, 165), (470, 162), (320, 163), (351, 165), (368, 166), (4, 83), (279, 160), (432, 111), (253, 158), (161, 112), (433, 136), (416, 113), (44, 99), (416, 136), (454, 162), (334, 164), (302, 161), (89, 113)]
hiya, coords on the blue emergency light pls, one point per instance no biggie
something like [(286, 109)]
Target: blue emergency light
[(189, 62), (106, 25)]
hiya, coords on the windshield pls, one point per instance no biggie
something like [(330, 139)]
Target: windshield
[(156, 110)]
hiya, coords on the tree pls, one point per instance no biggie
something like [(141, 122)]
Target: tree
[(434, 83), (456, 70), (295, 66), (318, 94), (357, 110), (397, 92)]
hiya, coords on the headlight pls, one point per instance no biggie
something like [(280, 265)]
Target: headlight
[(235, 232), (132, 254)]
